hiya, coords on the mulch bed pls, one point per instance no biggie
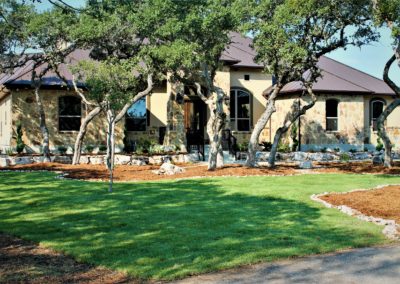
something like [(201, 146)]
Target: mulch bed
[(144, 173), (25, 262), (383, 203)]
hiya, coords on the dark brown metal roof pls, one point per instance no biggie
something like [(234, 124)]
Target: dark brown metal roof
[(340, 78)]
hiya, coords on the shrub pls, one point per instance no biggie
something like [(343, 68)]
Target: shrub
[(9, 152), (283, 147), (337, 150), (293, 135), (344, 157), (62, 149), (89, 148), (324, 150), (102, 148), (267, 146), (365, 149), (353, 150), (243, 147), (156, 149), (20, 143), (379, 145)]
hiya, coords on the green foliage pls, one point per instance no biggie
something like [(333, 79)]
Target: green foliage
[(284, 147), (127, 142), (243, 147), (9, 152), (89, 148), (267, 146), (344, 157), (20, 143), (102, 148), (337, 150), (135, 229), (324, 150), (353, 150), (387, 13), (62, 149), (379, 145)]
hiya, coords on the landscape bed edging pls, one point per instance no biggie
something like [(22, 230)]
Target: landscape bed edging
[(391, 229)]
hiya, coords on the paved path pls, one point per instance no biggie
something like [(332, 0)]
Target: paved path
[(366, 266)]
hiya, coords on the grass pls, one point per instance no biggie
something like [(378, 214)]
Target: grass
[(172, 229)]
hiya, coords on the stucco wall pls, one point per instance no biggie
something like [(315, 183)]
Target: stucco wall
[(5, 121)]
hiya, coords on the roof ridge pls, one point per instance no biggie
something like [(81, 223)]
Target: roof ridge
[(355, 69), (344, 79)]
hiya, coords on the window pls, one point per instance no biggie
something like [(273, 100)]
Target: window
[(377, 106), (247, 77), (332, 115), (69, 113), (136, 116), (240, 109)]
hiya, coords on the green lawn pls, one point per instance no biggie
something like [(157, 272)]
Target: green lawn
[(171, 229)]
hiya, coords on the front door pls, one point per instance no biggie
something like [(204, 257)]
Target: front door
[(195, 117)]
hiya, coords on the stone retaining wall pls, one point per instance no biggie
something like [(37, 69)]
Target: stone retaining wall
[(100, 159)]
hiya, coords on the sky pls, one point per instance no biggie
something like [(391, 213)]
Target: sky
[(370, 59)]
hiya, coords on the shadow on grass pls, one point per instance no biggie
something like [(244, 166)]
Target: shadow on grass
[(164, 230)]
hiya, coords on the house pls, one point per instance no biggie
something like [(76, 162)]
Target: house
[(344, 116)]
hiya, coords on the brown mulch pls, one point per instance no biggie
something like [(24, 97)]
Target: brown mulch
[(383, 202), (25, 262), (144, 173)]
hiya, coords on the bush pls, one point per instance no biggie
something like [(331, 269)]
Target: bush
[(379, 145), (337, 150), (344, 157), (20, 143), (324, 150), (267, 146), (102, 148), (353, 150), (294, 136), (243, 147), (89, 148), (156, 149), (284, 147), (62, 150)]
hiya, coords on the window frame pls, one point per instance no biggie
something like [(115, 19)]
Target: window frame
[(60, 116), (332, 117), (371, 112), (233, 120), (146, 118)]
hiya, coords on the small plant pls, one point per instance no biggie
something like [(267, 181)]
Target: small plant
[(102, 148), (156, 149), (337, 150), (344, 157), (324, 150), (379, 145), (284, 147), (20, 143), (353, 150), (62, 150), (365, 149), (294, 136), (89, 148), (267, 146), (243, 147), (9, 152), (143, 145)]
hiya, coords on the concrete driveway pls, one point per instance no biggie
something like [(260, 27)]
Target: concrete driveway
[(367, 266)]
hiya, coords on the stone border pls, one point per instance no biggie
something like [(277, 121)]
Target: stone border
[(391, 229)]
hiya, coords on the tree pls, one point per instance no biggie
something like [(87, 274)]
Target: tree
[(195, 35), (387, 13), (115, 84), (290, 37)]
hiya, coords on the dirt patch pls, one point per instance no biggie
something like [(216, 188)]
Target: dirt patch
[(383, 203), (25, 262), (144, 173)]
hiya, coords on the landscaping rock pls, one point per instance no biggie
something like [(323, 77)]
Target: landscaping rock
[(62, 159), (299, 156), (4, 162), (362, 156), (262, 156), (38, 159), (21, 161), (122, 159), (306, 165), (191, 158), (169, 169), (377, 160), (97, 160), (84, 160), (138, 162)]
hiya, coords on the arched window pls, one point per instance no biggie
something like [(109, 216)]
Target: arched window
[(377, 106), (240, 110), (136, 116), (332, 115), (69, 113)]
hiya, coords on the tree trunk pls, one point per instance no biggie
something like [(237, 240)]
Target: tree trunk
[(220, 158), (110, 147), (43, 126), (82, 132), (382, 133), (259, 127), (297, 112)]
